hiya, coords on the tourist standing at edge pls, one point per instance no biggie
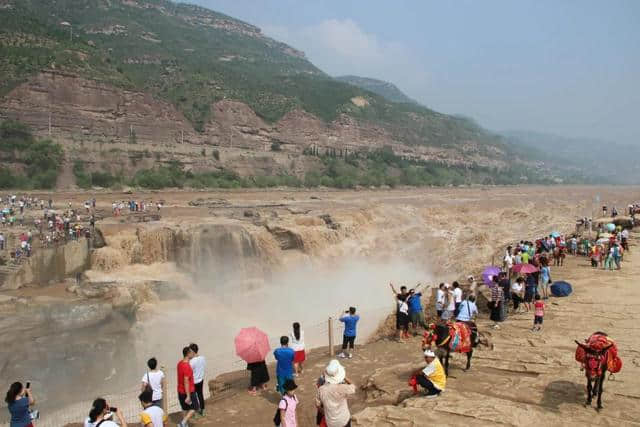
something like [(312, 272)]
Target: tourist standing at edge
[(416, 312), (186, 387), (457, 297), (297, 344), (284, 366), (402, 318), (155, 379), (18, 400), (198, 365), (350, 320)]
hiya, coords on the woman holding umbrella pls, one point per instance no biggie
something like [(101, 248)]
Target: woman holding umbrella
[(259, 376), (252, 345)]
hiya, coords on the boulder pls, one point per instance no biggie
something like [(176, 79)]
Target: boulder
[(166, 290), (328, 220), (97, 239), (388, 385), (287, 239)]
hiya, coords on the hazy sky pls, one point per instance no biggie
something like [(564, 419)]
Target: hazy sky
[(560, 66)]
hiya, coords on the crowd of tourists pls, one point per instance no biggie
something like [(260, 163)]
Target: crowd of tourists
[(43, 224), (119, 207), (520, 285)]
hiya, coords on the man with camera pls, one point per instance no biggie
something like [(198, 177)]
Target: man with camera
[(350, 320)]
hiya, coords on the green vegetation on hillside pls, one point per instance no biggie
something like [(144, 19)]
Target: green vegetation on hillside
[(374, 169), (86, 179), (193, 57), (36, 162)]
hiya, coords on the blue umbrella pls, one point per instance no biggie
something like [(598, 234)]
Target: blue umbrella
[(561, 289), (555, 234)]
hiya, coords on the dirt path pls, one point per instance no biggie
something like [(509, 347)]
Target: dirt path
[(528, 378)]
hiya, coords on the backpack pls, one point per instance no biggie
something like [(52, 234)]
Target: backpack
[(277, 419)]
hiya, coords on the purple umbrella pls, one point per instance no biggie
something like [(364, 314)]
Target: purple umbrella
[(488, 273)]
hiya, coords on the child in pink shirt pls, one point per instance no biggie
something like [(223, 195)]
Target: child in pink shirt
[(538, 314)]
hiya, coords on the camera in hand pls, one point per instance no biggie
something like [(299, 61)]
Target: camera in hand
[(113, 409), (28, 384)]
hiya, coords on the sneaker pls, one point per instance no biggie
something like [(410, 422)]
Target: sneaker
[(350, 356), (342, 356), (431, 396)]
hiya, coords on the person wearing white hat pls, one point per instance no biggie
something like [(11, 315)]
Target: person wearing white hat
[(332, 395), (432, 378)]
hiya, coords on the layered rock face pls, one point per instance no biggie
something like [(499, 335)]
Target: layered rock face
[(121, 131), (50, 265)]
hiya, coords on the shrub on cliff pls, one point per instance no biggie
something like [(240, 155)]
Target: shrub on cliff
[(40, 159)]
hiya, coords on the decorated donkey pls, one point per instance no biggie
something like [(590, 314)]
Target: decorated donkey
[(597, 355), (460, 337)]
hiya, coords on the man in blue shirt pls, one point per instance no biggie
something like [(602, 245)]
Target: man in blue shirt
[(468, 310), (415, 309), (350, 319), (284, 366), (467, 314)]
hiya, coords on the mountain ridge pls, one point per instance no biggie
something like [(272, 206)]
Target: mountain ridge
[(610, 160), (383, 88), (127, 86)]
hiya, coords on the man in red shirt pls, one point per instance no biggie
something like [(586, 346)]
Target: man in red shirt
[(186, 387)]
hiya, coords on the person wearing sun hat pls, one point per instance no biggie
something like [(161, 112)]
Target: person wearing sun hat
[(332, 395), (432, 378)]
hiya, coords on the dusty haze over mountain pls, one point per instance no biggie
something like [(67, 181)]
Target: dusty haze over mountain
[(567, 68)]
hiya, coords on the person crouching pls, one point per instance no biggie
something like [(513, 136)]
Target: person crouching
[(432, 378)]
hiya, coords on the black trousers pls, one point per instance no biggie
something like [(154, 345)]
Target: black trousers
[(200, 394), (348, 341), (427, 385), (516, 301)]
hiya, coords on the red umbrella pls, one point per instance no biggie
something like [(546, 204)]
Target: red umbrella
[(525, 268), (252, 345)]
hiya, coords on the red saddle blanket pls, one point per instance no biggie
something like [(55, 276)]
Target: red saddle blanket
[(460, 337), (597, 343)]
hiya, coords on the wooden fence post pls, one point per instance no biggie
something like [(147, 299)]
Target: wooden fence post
[(331, 349)]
